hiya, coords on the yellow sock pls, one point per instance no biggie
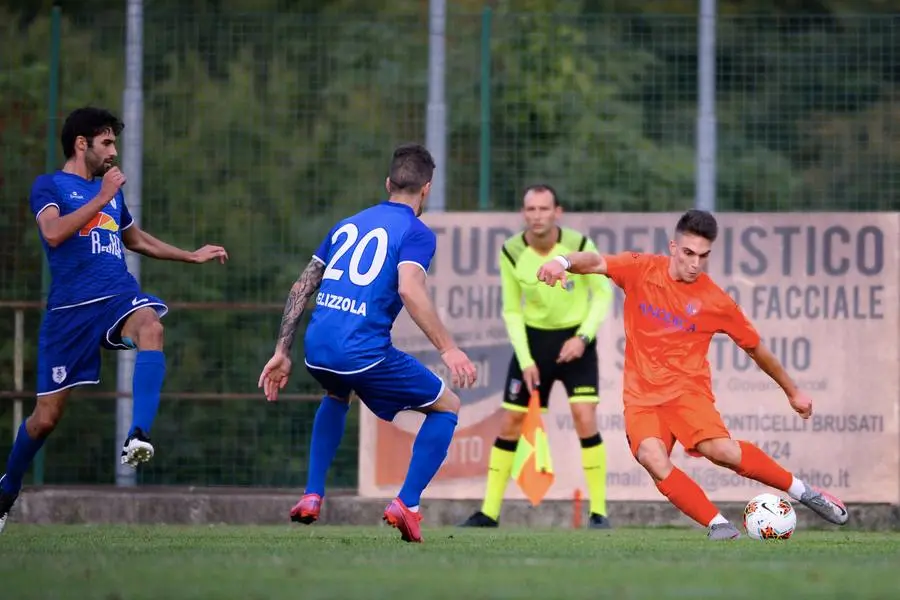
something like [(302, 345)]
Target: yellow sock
[(593, 460), (501, 463)]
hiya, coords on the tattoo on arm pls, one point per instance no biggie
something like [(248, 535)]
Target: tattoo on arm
[(305, 286)]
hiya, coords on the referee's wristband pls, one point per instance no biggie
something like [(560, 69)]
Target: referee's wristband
[(563, 261)]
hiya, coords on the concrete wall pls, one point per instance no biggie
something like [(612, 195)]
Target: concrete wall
[(199, 506)]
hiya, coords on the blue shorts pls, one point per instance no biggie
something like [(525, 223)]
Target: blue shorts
[(70, 339), (396, 383)]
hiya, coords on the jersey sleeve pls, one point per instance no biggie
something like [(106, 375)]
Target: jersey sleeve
[(601, 300), (127, 219), (735, 324), (44, 194), (321, 253), (513, 317), (417, 247), (624, 268)]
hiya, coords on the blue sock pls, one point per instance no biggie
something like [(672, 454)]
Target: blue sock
[(328, 429), (429, 452), (149, 374), (23, 452)]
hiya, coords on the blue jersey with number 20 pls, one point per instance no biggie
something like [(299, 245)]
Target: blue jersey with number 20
[(358, 301)]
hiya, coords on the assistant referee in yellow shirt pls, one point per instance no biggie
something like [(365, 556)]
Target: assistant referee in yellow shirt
[(553, 338)]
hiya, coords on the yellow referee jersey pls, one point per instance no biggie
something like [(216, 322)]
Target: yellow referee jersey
[(584, 303)]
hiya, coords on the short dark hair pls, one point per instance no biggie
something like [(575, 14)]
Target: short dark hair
[(412, 166), (542, 187), (700, 223), (87, 122)]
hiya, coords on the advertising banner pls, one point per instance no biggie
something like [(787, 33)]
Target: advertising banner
[(821, 288)]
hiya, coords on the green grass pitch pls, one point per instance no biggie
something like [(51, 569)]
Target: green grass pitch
[(317, 562)]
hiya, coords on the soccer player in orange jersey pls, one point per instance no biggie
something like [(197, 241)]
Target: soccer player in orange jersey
[(672, 311)]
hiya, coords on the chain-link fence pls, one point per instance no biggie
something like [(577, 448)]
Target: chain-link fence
[(261, 130)]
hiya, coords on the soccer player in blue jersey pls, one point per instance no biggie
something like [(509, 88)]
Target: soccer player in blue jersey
[(368, 267), (85, 227)]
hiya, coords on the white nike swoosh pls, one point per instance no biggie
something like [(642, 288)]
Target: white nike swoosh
[(135, 302)]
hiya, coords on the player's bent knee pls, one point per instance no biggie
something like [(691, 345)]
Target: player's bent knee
[(151, 335), (653, 456), (41, 424), (144, 328), (448, 402), (724, 452), (45, 417)]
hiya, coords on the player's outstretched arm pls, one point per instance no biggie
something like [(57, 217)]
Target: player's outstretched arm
[(138, 240), (586, 263), (735, 324), (771, 366), (581, 263), (275, 374), (418, 304)]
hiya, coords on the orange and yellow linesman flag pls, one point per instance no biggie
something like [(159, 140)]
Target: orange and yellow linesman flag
[(532, 467)]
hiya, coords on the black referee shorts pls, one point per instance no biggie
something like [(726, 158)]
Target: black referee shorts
[(581, 377)]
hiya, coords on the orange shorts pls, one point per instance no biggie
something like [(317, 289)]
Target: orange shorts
[(689, 420)]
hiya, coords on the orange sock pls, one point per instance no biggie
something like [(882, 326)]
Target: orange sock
[(688, 497), (756, 464)]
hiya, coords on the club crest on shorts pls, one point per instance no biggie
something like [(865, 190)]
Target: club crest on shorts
[(514, 387), (59, 374)]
